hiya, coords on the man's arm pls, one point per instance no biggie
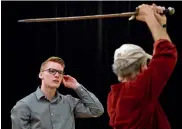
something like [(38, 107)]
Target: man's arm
[(150, 15), (20, 116), (158, 32), (88, 105), (164, 55)]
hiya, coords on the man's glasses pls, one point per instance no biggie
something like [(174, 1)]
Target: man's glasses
[(54, 71)]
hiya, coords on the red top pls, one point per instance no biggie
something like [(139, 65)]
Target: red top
[(134, 104)]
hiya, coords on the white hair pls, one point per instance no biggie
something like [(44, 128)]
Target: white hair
[(127, 72)]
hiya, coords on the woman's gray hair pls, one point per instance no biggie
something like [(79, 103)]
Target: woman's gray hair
[(126, 72)]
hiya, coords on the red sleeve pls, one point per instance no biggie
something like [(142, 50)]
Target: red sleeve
[(159, 70), (161, 65)]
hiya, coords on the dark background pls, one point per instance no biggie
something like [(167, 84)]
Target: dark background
[(86, 46)]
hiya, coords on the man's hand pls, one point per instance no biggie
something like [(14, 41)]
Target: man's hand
[(158, 10), (70, 82), (145, 12), (148, 12), (151, 15)]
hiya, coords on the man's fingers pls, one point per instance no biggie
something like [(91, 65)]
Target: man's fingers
[(67, 77), (141, 6), (156, 14), (158, 9), (63, 81), (154, 8), (163, 8), (154, 4)]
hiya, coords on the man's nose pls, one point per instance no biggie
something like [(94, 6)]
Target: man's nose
[(57, 74)]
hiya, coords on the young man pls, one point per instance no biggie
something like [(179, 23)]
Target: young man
[(46, 108), (133, 103)]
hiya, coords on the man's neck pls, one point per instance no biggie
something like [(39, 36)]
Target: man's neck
[(49, 92), (130, 78)]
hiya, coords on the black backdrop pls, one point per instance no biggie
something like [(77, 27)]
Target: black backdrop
[(87, 47)]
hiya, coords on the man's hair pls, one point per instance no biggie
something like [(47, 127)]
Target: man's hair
[(130, 70), (52, 59)]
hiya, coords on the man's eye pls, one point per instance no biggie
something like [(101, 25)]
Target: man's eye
[(52, 71), (60, 72)]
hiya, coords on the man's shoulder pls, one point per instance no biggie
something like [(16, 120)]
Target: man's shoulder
[(24, 102), (27, 99)]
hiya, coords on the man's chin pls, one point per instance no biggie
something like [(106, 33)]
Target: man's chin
[(54, 86)]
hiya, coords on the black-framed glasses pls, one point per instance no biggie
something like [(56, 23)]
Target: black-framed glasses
[(54, 71)]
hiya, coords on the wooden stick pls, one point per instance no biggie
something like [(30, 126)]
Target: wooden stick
[(128, 14)]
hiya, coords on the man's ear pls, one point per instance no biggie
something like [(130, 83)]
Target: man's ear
[(40, 75), (119, 79), (142, 67)]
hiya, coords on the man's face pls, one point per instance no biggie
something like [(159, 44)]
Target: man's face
[(52, 74)]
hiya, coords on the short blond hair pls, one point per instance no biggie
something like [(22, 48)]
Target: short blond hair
[(52, 59)]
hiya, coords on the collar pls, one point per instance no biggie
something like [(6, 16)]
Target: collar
[(39, 94)]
